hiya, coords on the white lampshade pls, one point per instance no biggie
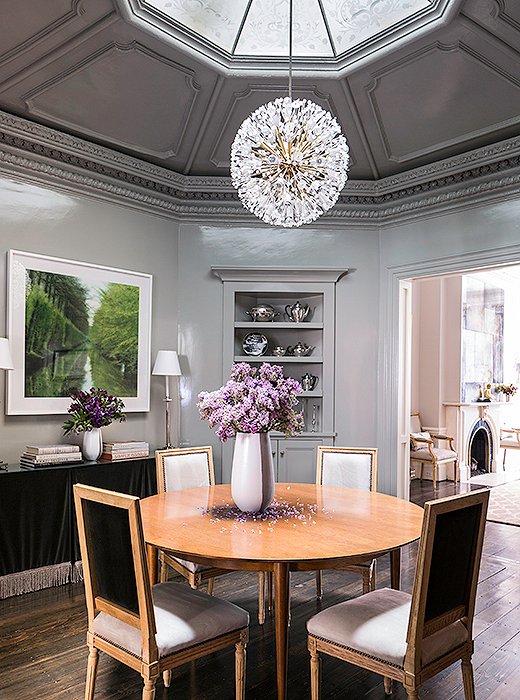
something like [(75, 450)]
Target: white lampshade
[(6, 361), (167, 364)]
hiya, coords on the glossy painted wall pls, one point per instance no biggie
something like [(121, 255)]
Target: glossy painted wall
[(200, 313), (42, 220)]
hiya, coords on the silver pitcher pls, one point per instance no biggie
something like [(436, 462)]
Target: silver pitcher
[(297, 312), (309, 382)]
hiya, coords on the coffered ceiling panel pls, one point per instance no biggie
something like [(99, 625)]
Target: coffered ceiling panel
[(449, 75), (110, 80), (410, 82)]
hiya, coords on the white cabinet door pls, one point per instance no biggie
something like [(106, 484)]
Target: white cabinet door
[(297, 460)]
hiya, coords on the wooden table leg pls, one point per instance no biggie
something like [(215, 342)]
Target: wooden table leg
[(395, 568), (281, 616), (151, 555)]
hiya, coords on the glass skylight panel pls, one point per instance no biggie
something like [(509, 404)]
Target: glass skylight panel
[(216, 20), (351, 22), (266, 30)]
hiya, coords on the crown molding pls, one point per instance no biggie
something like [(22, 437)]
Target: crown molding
[(36, 152)]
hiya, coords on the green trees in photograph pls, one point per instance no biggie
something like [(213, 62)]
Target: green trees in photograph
[(115, 335)]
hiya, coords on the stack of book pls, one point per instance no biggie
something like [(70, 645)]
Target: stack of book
[(46, 455), (132, 449)]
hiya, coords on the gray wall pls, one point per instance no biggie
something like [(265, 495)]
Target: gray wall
[(200, 313), (42, 220)]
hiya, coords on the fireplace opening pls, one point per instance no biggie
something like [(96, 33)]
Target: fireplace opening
[(480, 448)]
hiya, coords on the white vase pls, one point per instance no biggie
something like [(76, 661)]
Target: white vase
[(92, 444), (252, 474)]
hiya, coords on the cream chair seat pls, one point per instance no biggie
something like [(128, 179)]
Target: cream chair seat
[(424, 451), (183, 468), (410, 638)]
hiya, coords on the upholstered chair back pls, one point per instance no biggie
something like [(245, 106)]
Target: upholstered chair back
[(447, 569), (184, 468), (112, 546), (415, 423), (351, 467)]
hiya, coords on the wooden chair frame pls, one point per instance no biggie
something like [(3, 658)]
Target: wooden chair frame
[(413, 674), (417, 443), (196, 579), (150, 666), (366, 570)]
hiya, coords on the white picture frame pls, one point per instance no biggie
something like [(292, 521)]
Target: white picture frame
[(22, 385)]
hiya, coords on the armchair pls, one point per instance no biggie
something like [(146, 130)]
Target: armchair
[(509, 440), (424, 451)]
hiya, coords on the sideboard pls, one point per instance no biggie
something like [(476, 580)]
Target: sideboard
[(38, 537)]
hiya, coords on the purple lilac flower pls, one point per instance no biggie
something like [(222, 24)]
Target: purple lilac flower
[(254, 400), (94, 408)]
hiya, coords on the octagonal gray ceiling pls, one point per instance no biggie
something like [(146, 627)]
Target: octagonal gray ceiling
[(409, 92)]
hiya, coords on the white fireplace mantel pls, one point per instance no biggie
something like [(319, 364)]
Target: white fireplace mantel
[(460, 419)]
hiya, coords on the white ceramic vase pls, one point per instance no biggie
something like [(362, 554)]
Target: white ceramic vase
[(92, 444), (252, 474)]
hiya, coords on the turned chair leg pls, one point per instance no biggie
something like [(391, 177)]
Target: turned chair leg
[(319, 585), (149, 688), (240, 667), (388, 685), (163, 573), (369, 578), (434, 476), (467, 678), (261, 597), (92, 664), (270, 591), (315, 673), (412, 694), (504, 461), (167, 678), (211, 584)]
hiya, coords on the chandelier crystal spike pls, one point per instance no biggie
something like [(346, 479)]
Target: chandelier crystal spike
[(289, 159)]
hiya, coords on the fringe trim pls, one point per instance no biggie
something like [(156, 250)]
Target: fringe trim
[(36, 579), (77, 572)]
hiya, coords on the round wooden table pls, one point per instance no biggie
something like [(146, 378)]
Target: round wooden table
[(308, 527)]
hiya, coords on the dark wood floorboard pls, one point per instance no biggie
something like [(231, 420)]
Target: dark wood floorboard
[(43, 653)]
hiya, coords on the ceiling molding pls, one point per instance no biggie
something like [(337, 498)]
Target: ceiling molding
[(47, 156)]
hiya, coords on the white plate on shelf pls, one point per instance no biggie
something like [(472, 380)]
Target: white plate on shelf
[(255, 344)]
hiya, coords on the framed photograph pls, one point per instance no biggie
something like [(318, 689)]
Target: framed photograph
[(73, 325)]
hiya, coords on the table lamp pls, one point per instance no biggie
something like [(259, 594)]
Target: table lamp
[(167, 365), (6, 362)]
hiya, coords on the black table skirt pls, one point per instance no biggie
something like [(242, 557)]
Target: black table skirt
[(38, 536)]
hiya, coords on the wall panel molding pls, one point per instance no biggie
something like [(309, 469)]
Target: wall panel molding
[(36, 152)]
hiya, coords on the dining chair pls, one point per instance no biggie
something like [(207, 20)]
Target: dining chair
[(350, 467), (151, 629), (424, 451), (412, 637), (183, 468)]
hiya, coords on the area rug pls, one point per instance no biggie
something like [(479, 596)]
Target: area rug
[(504, 504)]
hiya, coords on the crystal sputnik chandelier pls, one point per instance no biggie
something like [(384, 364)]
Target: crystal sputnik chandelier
[(289, 159)]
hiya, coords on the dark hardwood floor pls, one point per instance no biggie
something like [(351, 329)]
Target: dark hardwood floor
[(43, 653)]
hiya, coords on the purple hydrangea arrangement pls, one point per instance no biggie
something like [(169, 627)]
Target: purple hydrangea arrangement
[(91, 409), (254, 400)]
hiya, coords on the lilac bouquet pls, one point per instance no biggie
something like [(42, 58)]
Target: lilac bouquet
[(254, 400), (92, 409)]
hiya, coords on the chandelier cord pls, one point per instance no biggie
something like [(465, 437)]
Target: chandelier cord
[(290, 46)]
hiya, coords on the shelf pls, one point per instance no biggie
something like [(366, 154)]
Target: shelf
[(310, 395), (277, 360), (278, 325)]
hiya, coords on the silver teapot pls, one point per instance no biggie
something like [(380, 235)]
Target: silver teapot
[(309, 382), (279, 351), (262, 312), (300, 349), (297, 312)]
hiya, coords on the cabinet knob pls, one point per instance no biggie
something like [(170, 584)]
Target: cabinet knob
[(274, 454), (282, 453)]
